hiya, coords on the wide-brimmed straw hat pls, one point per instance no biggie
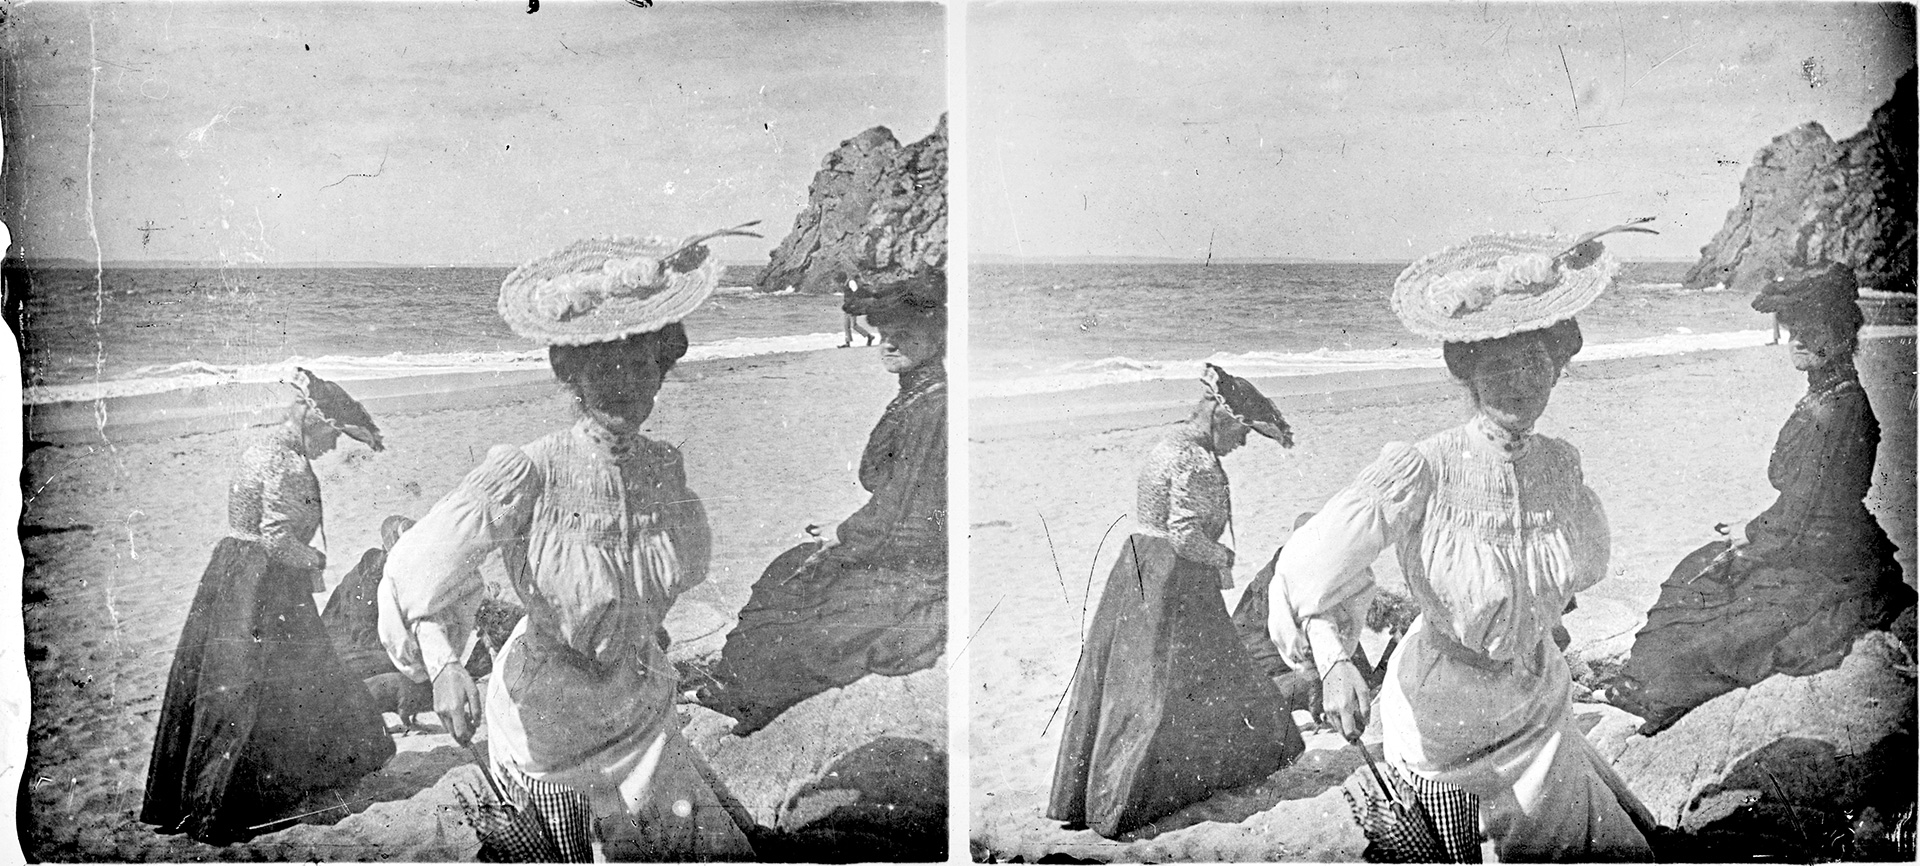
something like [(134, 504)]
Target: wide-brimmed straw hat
[(599, 290), (1247, 405), (1496, 285), (332, 403)]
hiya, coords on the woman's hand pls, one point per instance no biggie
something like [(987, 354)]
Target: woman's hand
[(1345, 698), (456, 702)]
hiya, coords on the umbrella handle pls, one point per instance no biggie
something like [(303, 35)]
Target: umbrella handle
[(480, 761), (1392, 792)]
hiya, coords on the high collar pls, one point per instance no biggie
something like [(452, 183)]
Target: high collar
[(925, 376), (617, 447), (1836, 373), (289, 438), (1500, 441)]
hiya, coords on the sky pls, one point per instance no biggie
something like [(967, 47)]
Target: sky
[(440, 133), (1382, 131)]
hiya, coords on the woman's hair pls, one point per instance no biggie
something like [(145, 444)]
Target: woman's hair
[(1562, 341), (668, 345), (1844, 318)]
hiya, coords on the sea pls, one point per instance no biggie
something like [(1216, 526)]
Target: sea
[(1039, 328), (1034, 328), (149, 330)]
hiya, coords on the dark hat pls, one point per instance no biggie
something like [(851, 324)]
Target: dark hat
[(1247, 405), (337, 408), (1809, 289), (914, 296)]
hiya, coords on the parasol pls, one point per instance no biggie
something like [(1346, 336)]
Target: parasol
[(1397, 827)]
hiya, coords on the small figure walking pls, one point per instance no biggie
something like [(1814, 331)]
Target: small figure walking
[(852, 323)]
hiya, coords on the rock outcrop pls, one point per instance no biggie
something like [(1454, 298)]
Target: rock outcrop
[(1808, 198), (1786, 768), (876, 210)]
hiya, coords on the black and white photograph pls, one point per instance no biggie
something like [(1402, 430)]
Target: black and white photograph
[(1440, 432), (499, 431)]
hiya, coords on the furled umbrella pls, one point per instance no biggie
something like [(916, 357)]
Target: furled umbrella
[(509, 831), (1397, 827)]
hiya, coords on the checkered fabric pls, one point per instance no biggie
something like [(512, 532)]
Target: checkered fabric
[(1454, 812), (565, 812), (1427, 822)]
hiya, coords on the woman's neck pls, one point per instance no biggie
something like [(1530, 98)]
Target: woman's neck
[(1501, 436), (1827, 376)]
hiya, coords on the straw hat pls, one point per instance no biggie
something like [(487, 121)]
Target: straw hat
[(602, 289), (1247, 405), (1495, 285), (332, 403)]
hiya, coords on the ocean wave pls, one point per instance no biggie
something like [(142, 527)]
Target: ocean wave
[(1076, 376), (160, 378)]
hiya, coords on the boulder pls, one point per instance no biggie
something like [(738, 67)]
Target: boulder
[(1807, 197), (1786, 764), (876, 211)]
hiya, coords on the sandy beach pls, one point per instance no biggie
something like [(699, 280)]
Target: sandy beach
[(1672, 445), (116, 533)]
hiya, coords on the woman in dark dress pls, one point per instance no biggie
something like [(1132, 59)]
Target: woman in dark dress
[(873, 600), (259, 712), (1814, 571), (1167, 706), (352, 614)]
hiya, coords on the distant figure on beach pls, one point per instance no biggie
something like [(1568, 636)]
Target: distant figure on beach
[(1167, 707), (260, 714), (600, 535), (1811, 573), (852, 319), (873, 599), (1496, 530)]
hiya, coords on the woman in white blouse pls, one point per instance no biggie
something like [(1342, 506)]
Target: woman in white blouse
[(1495, 530), (599, 534)]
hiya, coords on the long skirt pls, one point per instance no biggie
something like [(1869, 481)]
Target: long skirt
[(808, 629), (1726, 624), (1167, 708), (259, 712)]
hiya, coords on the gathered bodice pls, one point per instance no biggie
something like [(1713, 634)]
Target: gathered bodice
[(274, 498), (1494, 542), (1182, 494)]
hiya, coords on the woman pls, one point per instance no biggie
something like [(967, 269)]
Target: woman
[(1495, 530), (599, 535), (873, 599), (1811, 573), (1167, 707), (352, 614), (259, 713)]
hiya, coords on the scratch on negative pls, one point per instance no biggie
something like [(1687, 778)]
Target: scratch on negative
[(376, 172), (976, 633)]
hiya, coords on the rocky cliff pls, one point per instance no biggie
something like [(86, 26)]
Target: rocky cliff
[(876, 210), (1807, 197)]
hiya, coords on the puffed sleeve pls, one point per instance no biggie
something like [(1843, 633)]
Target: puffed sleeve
[(1591, 539), (687, 527), (1321, 578), (431, 587), (1196, 500)]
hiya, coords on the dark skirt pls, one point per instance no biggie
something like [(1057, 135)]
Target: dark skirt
[(259, 712), (1728, 624), (807, 629), (1167, 707)]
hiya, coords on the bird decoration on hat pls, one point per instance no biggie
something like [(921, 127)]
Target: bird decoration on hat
[(579, 293), (1525, 273)]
